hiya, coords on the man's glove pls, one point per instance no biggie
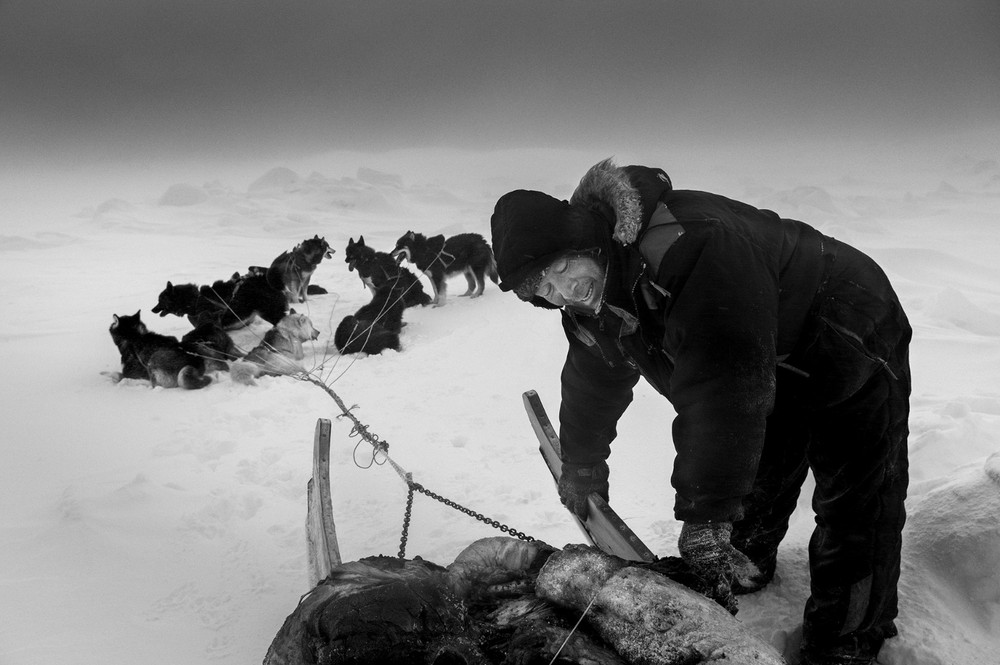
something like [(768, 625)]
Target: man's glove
[(706, 548), (578, 481)]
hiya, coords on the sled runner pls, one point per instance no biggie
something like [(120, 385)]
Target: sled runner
[(603, 527), (321, 534)]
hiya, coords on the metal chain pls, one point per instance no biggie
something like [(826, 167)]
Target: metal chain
[(406, 519), (412, 486), (381, 447)]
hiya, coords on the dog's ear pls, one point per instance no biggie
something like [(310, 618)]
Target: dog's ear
[(170, 286), (115, 321), (137, 312), (291, 310), (361, 240)]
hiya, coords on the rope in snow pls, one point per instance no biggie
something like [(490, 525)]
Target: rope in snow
[(573, 629), (380, 456)]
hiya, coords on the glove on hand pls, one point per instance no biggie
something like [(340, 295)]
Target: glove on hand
[(706, 548), (578, 481)]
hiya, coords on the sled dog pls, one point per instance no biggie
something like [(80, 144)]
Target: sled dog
[(213, 344), (374, 327), (292, 271), (438, 258), (279, 353), (163, 360), (374, 266), (232, 303)]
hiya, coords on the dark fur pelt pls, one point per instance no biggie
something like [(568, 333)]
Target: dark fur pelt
[(213, 344), (231, 303), (374, 266), (372, 329), (439, 258), (376, 326), (161, 359)]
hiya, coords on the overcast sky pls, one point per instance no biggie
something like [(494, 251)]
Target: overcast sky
[(216, 76)]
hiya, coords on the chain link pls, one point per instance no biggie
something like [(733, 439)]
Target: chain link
[(406, 519), (381, 447), (412, 487)]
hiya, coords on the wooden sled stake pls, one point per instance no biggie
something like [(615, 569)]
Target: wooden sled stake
[(602, 527), (321, 533)]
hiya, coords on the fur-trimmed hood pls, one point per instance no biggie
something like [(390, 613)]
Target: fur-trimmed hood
[(630, 192), (611, 204)]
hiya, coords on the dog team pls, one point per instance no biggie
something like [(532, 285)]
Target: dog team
[(268, 293)]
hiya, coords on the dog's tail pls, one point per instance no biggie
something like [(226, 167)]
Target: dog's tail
[(491, 269), (242, 371), (191, 378)]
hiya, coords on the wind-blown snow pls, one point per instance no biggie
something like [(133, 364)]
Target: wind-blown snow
[(166, 526)]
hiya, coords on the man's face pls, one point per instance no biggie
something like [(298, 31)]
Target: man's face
[(576, 281)]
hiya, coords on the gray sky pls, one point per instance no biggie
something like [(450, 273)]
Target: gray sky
[(288, 76)]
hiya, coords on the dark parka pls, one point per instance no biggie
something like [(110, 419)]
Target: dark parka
[(740, 301), (781, 349)]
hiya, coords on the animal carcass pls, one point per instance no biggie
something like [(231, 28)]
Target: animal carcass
[(508, 601)]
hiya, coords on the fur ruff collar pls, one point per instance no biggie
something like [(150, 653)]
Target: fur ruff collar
[(609, 184)]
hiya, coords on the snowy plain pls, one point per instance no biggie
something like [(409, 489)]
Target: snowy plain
[(167, 526)]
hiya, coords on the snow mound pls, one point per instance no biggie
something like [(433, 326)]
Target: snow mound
[(805, 200), (955, 308), (955, 532), (951, 554), (183, 194), (279, 179), (373, 177)]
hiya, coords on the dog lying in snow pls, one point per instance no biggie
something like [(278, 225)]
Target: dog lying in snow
[(375, 326), (213, 344), (279, 352), (163, 360)]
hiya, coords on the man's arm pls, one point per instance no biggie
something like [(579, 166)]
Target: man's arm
[(594, 396), (721, 332)]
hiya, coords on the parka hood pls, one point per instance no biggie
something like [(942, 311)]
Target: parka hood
[(629, 193)]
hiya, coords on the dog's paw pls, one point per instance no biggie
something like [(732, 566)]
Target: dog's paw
[(243, 372), (115, 377)]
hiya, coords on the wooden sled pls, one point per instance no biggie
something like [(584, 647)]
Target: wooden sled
[(603, 527), (321, 533)]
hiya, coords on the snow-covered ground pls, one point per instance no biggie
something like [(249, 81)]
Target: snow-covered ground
[(166, 526)]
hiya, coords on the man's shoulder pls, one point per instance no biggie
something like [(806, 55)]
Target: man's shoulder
[(689, 205)]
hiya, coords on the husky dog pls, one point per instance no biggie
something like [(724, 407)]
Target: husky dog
[(212, 343), (374, 327), (291, 271), (232, 303), (200, 304), (377, 266), (438, 258), (161, 359), (279, 352)]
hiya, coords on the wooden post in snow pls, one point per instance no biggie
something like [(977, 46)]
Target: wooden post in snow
[(321, 534)]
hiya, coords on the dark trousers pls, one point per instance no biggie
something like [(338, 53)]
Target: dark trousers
[(857, 451)]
